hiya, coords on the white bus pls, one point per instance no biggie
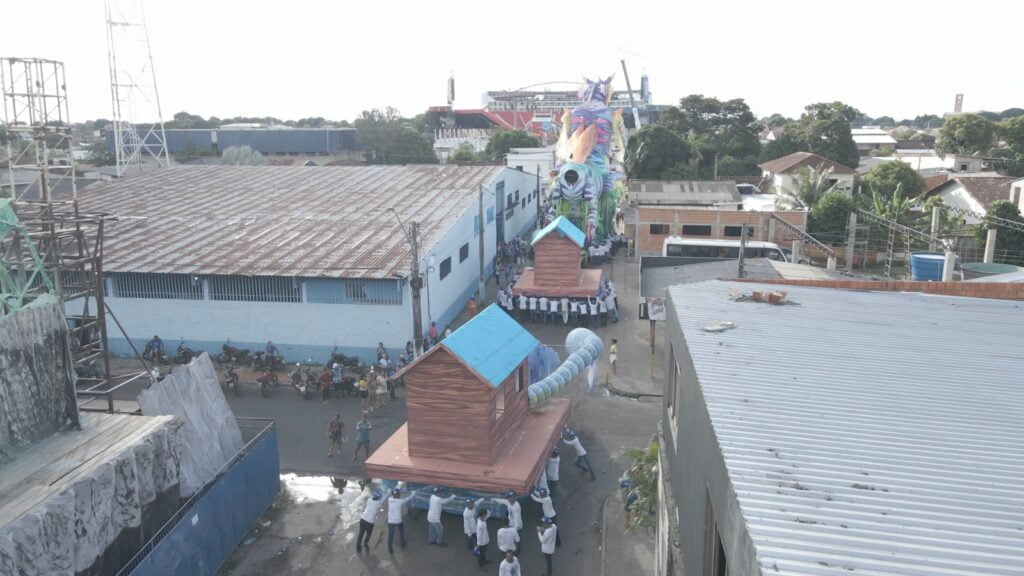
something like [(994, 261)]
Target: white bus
[(723, 249)]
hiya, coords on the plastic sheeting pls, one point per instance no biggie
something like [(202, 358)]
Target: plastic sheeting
[(543, 361), (36, 381), (212, 437)]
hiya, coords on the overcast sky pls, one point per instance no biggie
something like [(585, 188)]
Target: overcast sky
[(333, 59)]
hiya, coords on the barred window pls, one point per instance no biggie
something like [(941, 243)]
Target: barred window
[(255, 289), (158, 286)]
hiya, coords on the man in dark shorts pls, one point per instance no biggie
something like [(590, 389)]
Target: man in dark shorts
[(363, 428), (336, 432), (325, 385)]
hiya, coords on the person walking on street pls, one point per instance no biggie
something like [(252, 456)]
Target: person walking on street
[(432, 333), (508, 538), (368, 518), (336, 377), (552, 471), (336, 432), (509, 566), (483, 538), (325, 385), (395, 503), (469, 522), (363, 428), (613, 356), (547, 509), (472, 307), (569, 437), (364, 392), (435, 530), (547, 533)]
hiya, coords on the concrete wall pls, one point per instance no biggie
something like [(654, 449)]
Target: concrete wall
[(783, 181), (300, 330), (697, 467)]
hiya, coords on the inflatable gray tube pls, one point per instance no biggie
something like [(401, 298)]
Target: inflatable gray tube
[(584, 348)]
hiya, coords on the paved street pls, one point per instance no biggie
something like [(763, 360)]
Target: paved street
[(314, 530)]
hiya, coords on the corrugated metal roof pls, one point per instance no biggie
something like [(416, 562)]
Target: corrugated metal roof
[(492, 344), (280, 221), (683, 192), (867, 433)]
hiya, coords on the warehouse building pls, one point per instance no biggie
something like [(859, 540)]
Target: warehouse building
[(828, 431), (312, 260), (338, 142)]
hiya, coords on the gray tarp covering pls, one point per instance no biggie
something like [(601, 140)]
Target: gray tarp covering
[(212, 436), (36, 381)]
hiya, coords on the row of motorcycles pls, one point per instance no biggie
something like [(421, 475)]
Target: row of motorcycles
[(304, 381), (184, 355), (243, 357)]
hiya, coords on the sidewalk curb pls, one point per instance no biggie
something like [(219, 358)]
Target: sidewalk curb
[(604, 531)]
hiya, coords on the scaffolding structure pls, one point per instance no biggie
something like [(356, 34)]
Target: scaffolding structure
[(46, 245)]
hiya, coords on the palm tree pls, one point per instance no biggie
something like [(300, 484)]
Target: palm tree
[(809, 186), (894, 208)]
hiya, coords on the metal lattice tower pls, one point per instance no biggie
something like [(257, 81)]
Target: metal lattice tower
[(138, 130)]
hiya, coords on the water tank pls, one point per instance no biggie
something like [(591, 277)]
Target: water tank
[(981, 269), (926, 265)]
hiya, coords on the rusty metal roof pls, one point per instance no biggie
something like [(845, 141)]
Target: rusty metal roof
[(331, 222)]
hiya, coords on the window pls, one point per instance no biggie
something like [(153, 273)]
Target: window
[(490, 214), (714, 554), (964, 167), (517, 197), (659, 229), (463, 252), (695, 230), (476, 226), (446, 267), (523, 203), (737, 231)]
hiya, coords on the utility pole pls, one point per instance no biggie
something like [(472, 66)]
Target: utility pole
[(416, 283), (851, 239), (743, 245), (540, 216), (483, 279), (936, 224)]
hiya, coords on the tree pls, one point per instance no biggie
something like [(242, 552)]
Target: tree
[(242, 156), (808, 188), (377, 129), (191, 152), (1011, 130), (830, 215), (784, 145), (965, 134), (895, 207), (775, 120), (824, 128), (99, 156), (729, 167), (500, 143), (1011, 112), (464, 154), (892, 176), (715, 128), (653, 151), (410, 147), (885, 121), (1009, 242), (642, 488)]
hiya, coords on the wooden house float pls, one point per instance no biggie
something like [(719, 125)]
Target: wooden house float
[(557, 269)]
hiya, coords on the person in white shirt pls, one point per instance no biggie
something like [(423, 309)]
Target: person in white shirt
[(593, 311), (565, 310), (609, 302), (553, 308), (542, 305), (435, 530), (547, 533), (509, 566), (533, 307), (395, 503), (569, 437), (483, 537), (552, 471), (602, 309), (522, 307), (469, 522), (368, 518), (547, 508), (508, 538), (515, 512)]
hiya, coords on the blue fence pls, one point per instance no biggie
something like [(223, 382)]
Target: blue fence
[(203, 533)]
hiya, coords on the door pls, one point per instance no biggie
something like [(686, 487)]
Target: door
[(499, 212)]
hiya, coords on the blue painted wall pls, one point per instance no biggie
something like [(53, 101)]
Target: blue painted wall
[(204, 538)]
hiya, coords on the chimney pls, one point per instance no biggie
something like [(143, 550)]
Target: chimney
[(958, 106)]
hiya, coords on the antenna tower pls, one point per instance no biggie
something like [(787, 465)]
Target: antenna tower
[(138, 130)]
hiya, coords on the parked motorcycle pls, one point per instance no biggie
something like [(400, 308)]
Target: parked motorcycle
[(231, 355), (300, 387), (231, 379), (347, 362), (261, 361), (312, 381), (267, 381), (185, 354)]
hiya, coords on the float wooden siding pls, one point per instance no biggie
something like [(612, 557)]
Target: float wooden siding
[(450, 411), (516, 407), (556, 261)]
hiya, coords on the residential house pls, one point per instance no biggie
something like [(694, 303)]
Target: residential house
[(782, 173), (860, 454), (871, 138), (975, 193)]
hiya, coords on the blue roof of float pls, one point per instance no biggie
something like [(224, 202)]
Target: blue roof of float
[(492, 344), (564, 227)]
